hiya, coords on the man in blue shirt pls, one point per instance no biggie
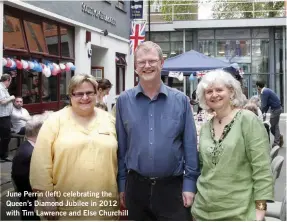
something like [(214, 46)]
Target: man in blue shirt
[(157, 155), (269, 99)]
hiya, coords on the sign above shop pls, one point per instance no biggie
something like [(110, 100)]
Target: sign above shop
[(97, 14), (136, 9)]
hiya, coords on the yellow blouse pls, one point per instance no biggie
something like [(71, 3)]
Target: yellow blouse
[(80, 163)]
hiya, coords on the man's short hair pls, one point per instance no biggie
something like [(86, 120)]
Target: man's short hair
[(260, 83), (5, 77)]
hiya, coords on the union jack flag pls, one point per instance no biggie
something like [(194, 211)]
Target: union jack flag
[(137, 35)]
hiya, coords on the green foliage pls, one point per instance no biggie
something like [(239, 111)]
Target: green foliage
[(225, 9), (168, 8)]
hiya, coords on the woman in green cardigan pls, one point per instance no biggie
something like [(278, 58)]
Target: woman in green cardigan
[(236, 179)]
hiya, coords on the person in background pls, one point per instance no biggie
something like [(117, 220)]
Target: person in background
[(251, 107), (269, 99), (76, 151), (102, 106), (157, 157), (21, 164), (256, 101), (236, 179), (104, 87), (6, 106), (19, 116)]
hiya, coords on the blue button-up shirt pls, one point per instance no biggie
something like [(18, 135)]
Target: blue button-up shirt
[(156, 138)]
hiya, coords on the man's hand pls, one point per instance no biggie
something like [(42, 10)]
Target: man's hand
[(122, 199), (260, 215), (12, 98), (187, 198)]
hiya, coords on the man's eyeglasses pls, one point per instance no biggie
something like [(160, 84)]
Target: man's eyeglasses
[(81, 94), (150, 62)]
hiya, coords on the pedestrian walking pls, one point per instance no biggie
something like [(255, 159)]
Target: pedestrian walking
[(269, 99)]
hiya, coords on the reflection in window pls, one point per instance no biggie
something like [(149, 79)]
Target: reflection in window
[(49, 88), (13, 86), (260, 56), (13, 33), (160, 37), (67, 42), (35, 37), (176, 36), (30, 87), (279, 56), (176, 48), (65, 78), (232, 48), (51, 36), (206, 47)]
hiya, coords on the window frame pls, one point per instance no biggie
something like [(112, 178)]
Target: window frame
[(34, 108)]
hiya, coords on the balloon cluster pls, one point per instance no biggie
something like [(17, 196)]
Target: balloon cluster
[(47, 69)]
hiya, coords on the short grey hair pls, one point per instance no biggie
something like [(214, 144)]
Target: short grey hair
[(148, 45), (255, 100), (35, 123), (221, 77)]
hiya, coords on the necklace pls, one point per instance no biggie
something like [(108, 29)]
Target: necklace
[(220, 119)]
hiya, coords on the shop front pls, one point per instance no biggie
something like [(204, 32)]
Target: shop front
[(39, 54)]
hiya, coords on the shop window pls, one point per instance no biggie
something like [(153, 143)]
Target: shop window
[(51, 37), (206, 34), (176, 48), (13, 36), (260, 56), (188, 36), (49, 88), (31, 87), (67, 42), (232, 34), (206, 47), (176, 36), (120, 79), (233, 48), (260, 33), (65, 78), (15, 79), (160, 37), (35, 37), (120, 73)]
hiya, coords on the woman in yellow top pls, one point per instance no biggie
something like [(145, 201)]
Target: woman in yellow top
[(74, 163)]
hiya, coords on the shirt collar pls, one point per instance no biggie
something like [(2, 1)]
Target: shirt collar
[(162, 89), (2, 84), (31, 142), (262, 90)]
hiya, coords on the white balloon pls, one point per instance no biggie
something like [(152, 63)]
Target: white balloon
[(62, 66), (24, 64), (31, 65), (69, 64)]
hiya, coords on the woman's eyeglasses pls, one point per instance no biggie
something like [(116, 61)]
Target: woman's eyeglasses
[(81, 94)]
